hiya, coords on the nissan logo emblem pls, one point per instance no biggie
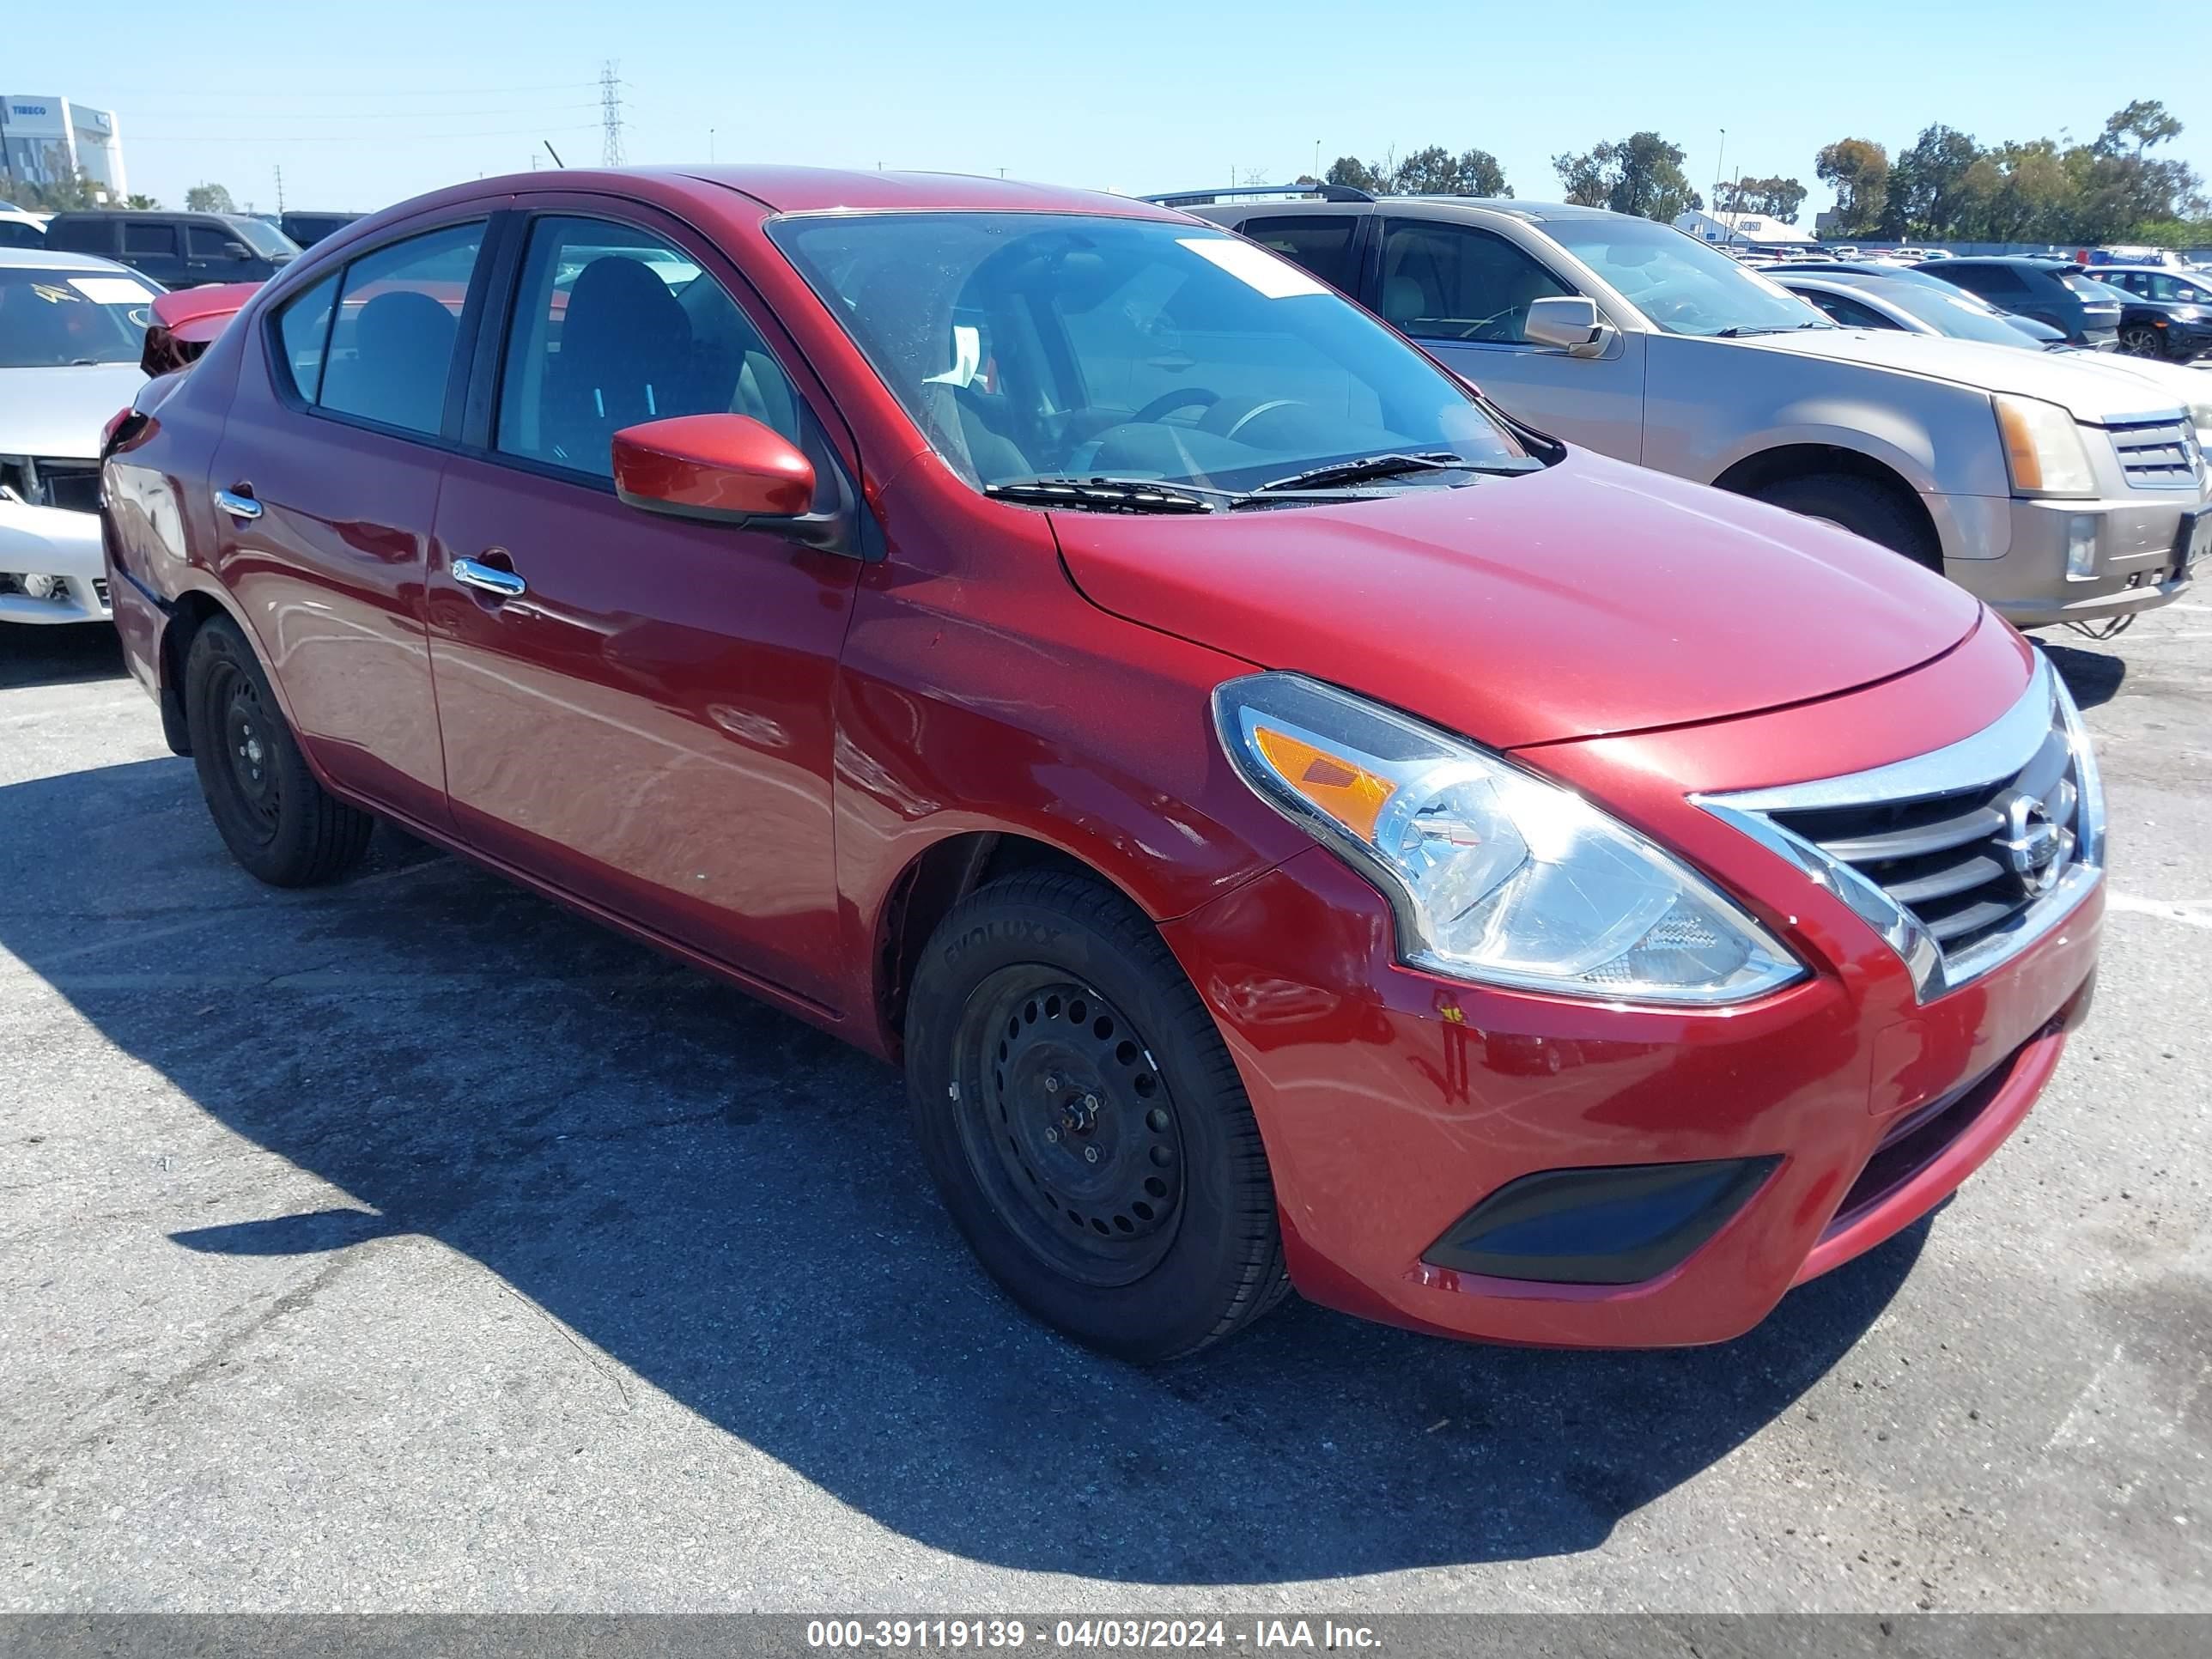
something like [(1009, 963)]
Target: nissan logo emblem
[(2035, 844)]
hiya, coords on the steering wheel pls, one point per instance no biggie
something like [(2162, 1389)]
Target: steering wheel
[(1184, 398)]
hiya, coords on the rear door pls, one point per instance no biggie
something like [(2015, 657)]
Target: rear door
[(1463, 292), (156, 248), (348, 402), (647, 723)]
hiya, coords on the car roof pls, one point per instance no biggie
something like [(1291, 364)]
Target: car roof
[(38, 259), (2029, 261), (817, 190)]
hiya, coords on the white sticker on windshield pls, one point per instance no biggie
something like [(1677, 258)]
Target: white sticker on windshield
[(1256, 268), (967, 357), (112, 290)]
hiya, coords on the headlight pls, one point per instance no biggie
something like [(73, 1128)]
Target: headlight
[(2043, 449), (1495, 874)]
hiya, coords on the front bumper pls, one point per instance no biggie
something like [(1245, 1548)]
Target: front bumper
[(1393, 1102), (2139, 562), (47, 541)]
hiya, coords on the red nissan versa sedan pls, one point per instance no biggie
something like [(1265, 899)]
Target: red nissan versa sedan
[(1295, 825)]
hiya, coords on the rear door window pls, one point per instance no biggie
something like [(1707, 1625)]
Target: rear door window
[(1321, 242), (390, 358), (1995, 281), (150, 240)]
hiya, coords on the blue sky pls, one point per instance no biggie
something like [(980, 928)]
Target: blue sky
[(364, 105)]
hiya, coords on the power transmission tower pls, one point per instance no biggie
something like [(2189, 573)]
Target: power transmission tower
[(610, 123), (280, 189)]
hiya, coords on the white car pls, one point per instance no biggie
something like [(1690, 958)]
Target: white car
[(72, 329)]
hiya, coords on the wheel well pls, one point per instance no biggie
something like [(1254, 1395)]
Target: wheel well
[(928, 888), (1755, 473), (191, 613)]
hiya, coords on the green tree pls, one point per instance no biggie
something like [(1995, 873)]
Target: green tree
[(1641, 173), (209, 198), (134, 200), (1924, 198), (1350, 170), (1778, 199), (1858, 169), (1436, 172), (2145, 121)]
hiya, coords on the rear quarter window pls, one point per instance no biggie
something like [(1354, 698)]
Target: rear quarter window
[(303, 332)]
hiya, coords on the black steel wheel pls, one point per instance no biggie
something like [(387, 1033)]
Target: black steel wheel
[(1084, 1123), (1065, 1116), (276, 818)]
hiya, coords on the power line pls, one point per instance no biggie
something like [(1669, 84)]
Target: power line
[(610, 121), (264, 139), (404, 114)]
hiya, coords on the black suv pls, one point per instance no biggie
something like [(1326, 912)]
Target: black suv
[(2169, 313), (309, 228), (2052, 291), (177, 250)]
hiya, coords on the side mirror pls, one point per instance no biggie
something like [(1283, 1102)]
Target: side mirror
[(724, 469), (239, 250), (1569, 322)]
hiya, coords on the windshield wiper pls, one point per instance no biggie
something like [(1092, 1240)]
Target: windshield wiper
[(1740, 332), (1387, 467), (1107, 494)]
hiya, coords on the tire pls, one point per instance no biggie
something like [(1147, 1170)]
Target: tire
[(1861, 506), (2141, 340), (281, 824), (1047, 1019)]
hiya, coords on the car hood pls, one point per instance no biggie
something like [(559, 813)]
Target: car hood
[(2095, 393), (1592, 598), (60, 412)]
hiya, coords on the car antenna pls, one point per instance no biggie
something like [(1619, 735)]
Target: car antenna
[(552, 152)]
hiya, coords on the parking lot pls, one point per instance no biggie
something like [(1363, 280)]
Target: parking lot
[(414, 1245)]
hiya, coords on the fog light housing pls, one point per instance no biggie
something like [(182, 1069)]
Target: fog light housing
[(2081, 547), (45, 588), (1619, 1224)]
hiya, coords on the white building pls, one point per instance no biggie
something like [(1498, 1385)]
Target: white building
[(42, 137), (1744, 230)]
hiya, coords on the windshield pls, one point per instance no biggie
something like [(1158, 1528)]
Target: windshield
[(1031, 346), (1947, 310), (50, 318), (1677, 281), (263, 237)]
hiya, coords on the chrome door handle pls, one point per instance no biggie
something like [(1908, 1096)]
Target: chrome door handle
[(239, 503), (488, 578)]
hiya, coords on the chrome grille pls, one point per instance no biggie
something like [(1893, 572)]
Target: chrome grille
[(1960, 857), (2157, 454)]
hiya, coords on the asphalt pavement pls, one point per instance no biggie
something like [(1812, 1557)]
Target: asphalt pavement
[(413, 1244)]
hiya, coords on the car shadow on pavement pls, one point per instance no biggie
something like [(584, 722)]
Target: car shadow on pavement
[(727, 1203), (2093, 676), (64, 655)]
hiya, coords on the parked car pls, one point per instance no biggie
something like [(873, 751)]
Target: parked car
[(1859, 299), (2166, 313), (71, 330), (2053, 291), (309, 228), (177, 250), (2055, 494), (1292, 822)]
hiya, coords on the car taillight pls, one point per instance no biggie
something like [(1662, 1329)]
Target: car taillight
[(122, 426)]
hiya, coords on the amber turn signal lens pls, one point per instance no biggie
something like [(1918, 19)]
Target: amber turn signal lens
[(1346, 791)]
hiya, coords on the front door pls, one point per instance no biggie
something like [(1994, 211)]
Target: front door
[(647, 723), (329, 467), (1464, 292)]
